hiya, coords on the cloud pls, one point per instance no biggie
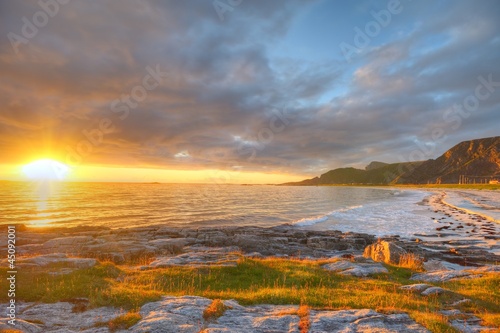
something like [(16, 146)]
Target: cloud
[(217, 106)]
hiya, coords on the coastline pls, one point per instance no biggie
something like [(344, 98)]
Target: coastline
[(84, 277)]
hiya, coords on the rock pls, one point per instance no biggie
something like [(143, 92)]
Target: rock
[(355, 269), (434, 265), (199, 257), (73, 241), (173, 245), (452, 312), (384, 251), (433, 291), (254, 255), (487, 269), (470, 325), (362, 321), (173, 315), (279, 240), (439, 276), (59, 258), (462, 301), (258, 319), (21, 325), (418, 287), (57, 316)]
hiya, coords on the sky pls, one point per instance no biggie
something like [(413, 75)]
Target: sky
[(242, 91)]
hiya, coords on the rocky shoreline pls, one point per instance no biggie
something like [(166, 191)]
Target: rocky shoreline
[(65, 250), (157, 242)]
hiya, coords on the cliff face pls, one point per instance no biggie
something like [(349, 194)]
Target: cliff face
[(480, 158)]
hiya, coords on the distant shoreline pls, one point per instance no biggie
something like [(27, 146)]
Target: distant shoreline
[(492, 187)]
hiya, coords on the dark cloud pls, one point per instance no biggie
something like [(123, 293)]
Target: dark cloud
[(217, 106)]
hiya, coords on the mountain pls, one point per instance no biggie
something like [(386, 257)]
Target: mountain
[(478, 160), (375, 165), (388, 173)]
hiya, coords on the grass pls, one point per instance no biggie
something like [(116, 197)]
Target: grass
[(411, 261), (122, 322), (262, 281), (214, 310)]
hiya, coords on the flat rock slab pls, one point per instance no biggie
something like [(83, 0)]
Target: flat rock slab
[(423, 289), (418, 287), (258, 319), (471, 325), (57, 258), (362, 321), (440, 276), (59, 317), (433, 291), (185, 315), (202, 256), (21, 325), (448, 274), (345, 267), (173, 315)]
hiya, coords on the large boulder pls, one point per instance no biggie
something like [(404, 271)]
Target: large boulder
[(384, 251)]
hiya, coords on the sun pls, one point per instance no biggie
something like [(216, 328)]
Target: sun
[(46, 169)]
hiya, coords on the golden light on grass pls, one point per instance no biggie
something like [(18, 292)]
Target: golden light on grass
[(46, 169)]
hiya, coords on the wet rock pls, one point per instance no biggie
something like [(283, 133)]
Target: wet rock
[(384, 251)]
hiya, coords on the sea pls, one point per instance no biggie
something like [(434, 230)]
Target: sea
[(376, 211)]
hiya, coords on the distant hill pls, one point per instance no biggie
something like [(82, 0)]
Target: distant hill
[(474, 159), (388, 173), (375, 165), (470, 158)]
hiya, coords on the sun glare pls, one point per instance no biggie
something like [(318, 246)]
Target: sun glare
[(46, 169)]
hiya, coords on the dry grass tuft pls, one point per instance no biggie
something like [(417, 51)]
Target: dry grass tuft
[(304, 323), (215, 310), (124, 322), (411, 261)]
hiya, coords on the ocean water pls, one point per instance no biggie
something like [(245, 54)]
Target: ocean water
[(378, 211)]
